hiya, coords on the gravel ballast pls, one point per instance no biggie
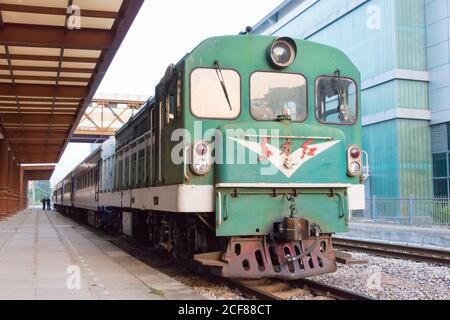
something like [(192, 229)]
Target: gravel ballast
[(392, 279)]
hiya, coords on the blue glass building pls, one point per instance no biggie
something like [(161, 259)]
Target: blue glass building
[(402, 49)]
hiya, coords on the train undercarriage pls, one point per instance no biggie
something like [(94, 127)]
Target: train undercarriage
[(190, 237)]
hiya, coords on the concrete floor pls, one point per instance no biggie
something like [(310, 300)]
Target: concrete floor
[(45, 256)]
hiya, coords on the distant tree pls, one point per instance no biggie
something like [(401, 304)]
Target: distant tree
[(41, 189)]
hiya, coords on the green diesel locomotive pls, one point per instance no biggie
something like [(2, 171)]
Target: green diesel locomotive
[(247, 160)]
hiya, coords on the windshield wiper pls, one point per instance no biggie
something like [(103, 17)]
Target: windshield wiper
[(222, 82)]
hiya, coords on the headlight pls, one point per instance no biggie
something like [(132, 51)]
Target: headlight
[(355, 168), (282, 52), (201, 158)]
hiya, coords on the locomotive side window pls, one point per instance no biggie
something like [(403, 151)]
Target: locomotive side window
[(133, 181), (170, 109), (215, 93), (126, 183), (275, 94), (170, 103), (336, 101), (141, 168), (119, 176), (148, 160)]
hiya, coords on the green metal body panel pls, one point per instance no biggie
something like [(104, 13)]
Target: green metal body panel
[(254, 211), (327, 167)]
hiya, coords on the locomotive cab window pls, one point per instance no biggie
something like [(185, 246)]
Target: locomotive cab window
[(336, 101), (274, 94), (215, 93)]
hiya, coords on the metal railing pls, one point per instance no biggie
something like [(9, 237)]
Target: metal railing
[(420, 212)]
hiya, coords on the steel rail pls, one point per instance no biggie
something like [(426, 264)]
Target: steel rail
[(394, 250), (331, 291), (317, 288), (250, 291)]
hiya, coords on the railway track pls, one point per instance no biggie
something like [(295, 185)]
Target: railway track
[(265, 289), (303, 288), (394, 251)]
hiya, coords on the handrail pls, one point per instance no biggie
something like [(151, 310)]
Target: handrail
[(220, 208), (288, 137), (367, 174), (185, 163), (148, 133)]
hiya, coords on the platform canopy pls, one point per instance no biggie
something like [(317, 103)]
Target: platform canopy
[(37, 173), (53, 56)]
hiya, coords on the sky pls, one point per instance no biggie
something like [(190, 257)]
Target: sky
[(163, 32)]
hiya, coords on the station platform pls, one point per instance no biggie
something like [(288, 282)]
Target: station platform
[(46, 256), (432, 237)]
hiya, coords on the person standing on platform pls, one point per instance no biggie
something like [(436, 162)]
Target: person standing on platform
[(44, 203), (48, 203)]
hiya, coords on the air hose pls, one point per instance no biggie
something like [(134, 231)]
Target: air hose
[(290, 258)]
